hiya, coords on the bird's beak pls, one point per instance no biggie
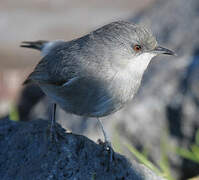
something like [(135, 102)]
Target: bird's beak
[(162, 50)]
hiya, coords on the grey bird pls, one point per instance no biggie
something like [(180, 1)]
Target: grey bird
[(97, 74)]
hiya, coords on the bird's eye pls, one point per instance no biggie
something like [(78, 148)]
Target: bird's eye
[(137, 48)]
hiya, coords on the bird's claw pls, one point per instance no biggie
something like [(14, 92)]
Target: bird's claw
[(56, 133), (108, 148), (53, 135)]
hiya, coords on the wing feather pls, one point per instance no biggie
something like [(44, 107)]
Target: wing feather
[(50, 69)]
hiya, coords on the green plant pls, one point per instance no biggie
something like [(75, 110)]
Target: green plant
[(192, 153), (14, 114), (164, 166)]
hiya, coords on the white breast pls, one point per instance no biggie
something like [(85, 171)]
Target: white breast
[(129, 77), (139, 64)]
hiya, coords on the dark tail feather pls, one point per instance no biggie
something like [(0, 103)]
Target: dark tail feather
[(34, 44)]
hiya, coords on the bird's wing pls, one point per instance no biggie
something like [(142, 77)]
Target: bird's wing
[(55, 68), (40, 73)]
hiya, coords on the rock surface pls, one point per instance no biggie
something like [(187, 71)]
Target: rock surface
[(27, 153)]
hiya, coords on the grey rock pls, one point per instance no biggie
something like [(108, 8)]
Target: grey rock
[(28, 154)]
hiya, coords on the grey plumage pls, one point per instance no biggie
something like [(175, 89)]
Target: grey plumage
[(98, 73)]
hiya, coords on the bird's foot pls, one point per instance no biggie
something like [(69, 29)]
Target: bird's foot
[(55, 133), (108, 148)]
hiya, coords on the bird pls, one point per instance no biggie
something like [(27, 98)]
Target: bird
[(97, 74)]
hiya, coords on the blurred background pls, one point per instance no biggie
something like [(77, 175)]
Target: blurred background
[(162, 120)]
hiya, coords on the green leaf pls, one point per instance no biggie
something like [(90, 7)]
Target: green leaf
[(14, 115), (195, 150), (197, 137), (186, 154), (142, 159)]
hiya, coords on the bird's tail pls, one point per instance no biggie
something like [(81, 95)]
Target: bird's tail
[(34, 44)]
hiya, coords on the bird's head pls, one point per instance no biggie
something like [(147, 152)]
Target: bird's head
[(130, 43)]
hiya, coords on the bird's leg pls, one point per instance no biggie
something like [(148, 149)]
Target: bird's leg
[(104, 133), (56, 132), (107, 144), (53, 133)]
